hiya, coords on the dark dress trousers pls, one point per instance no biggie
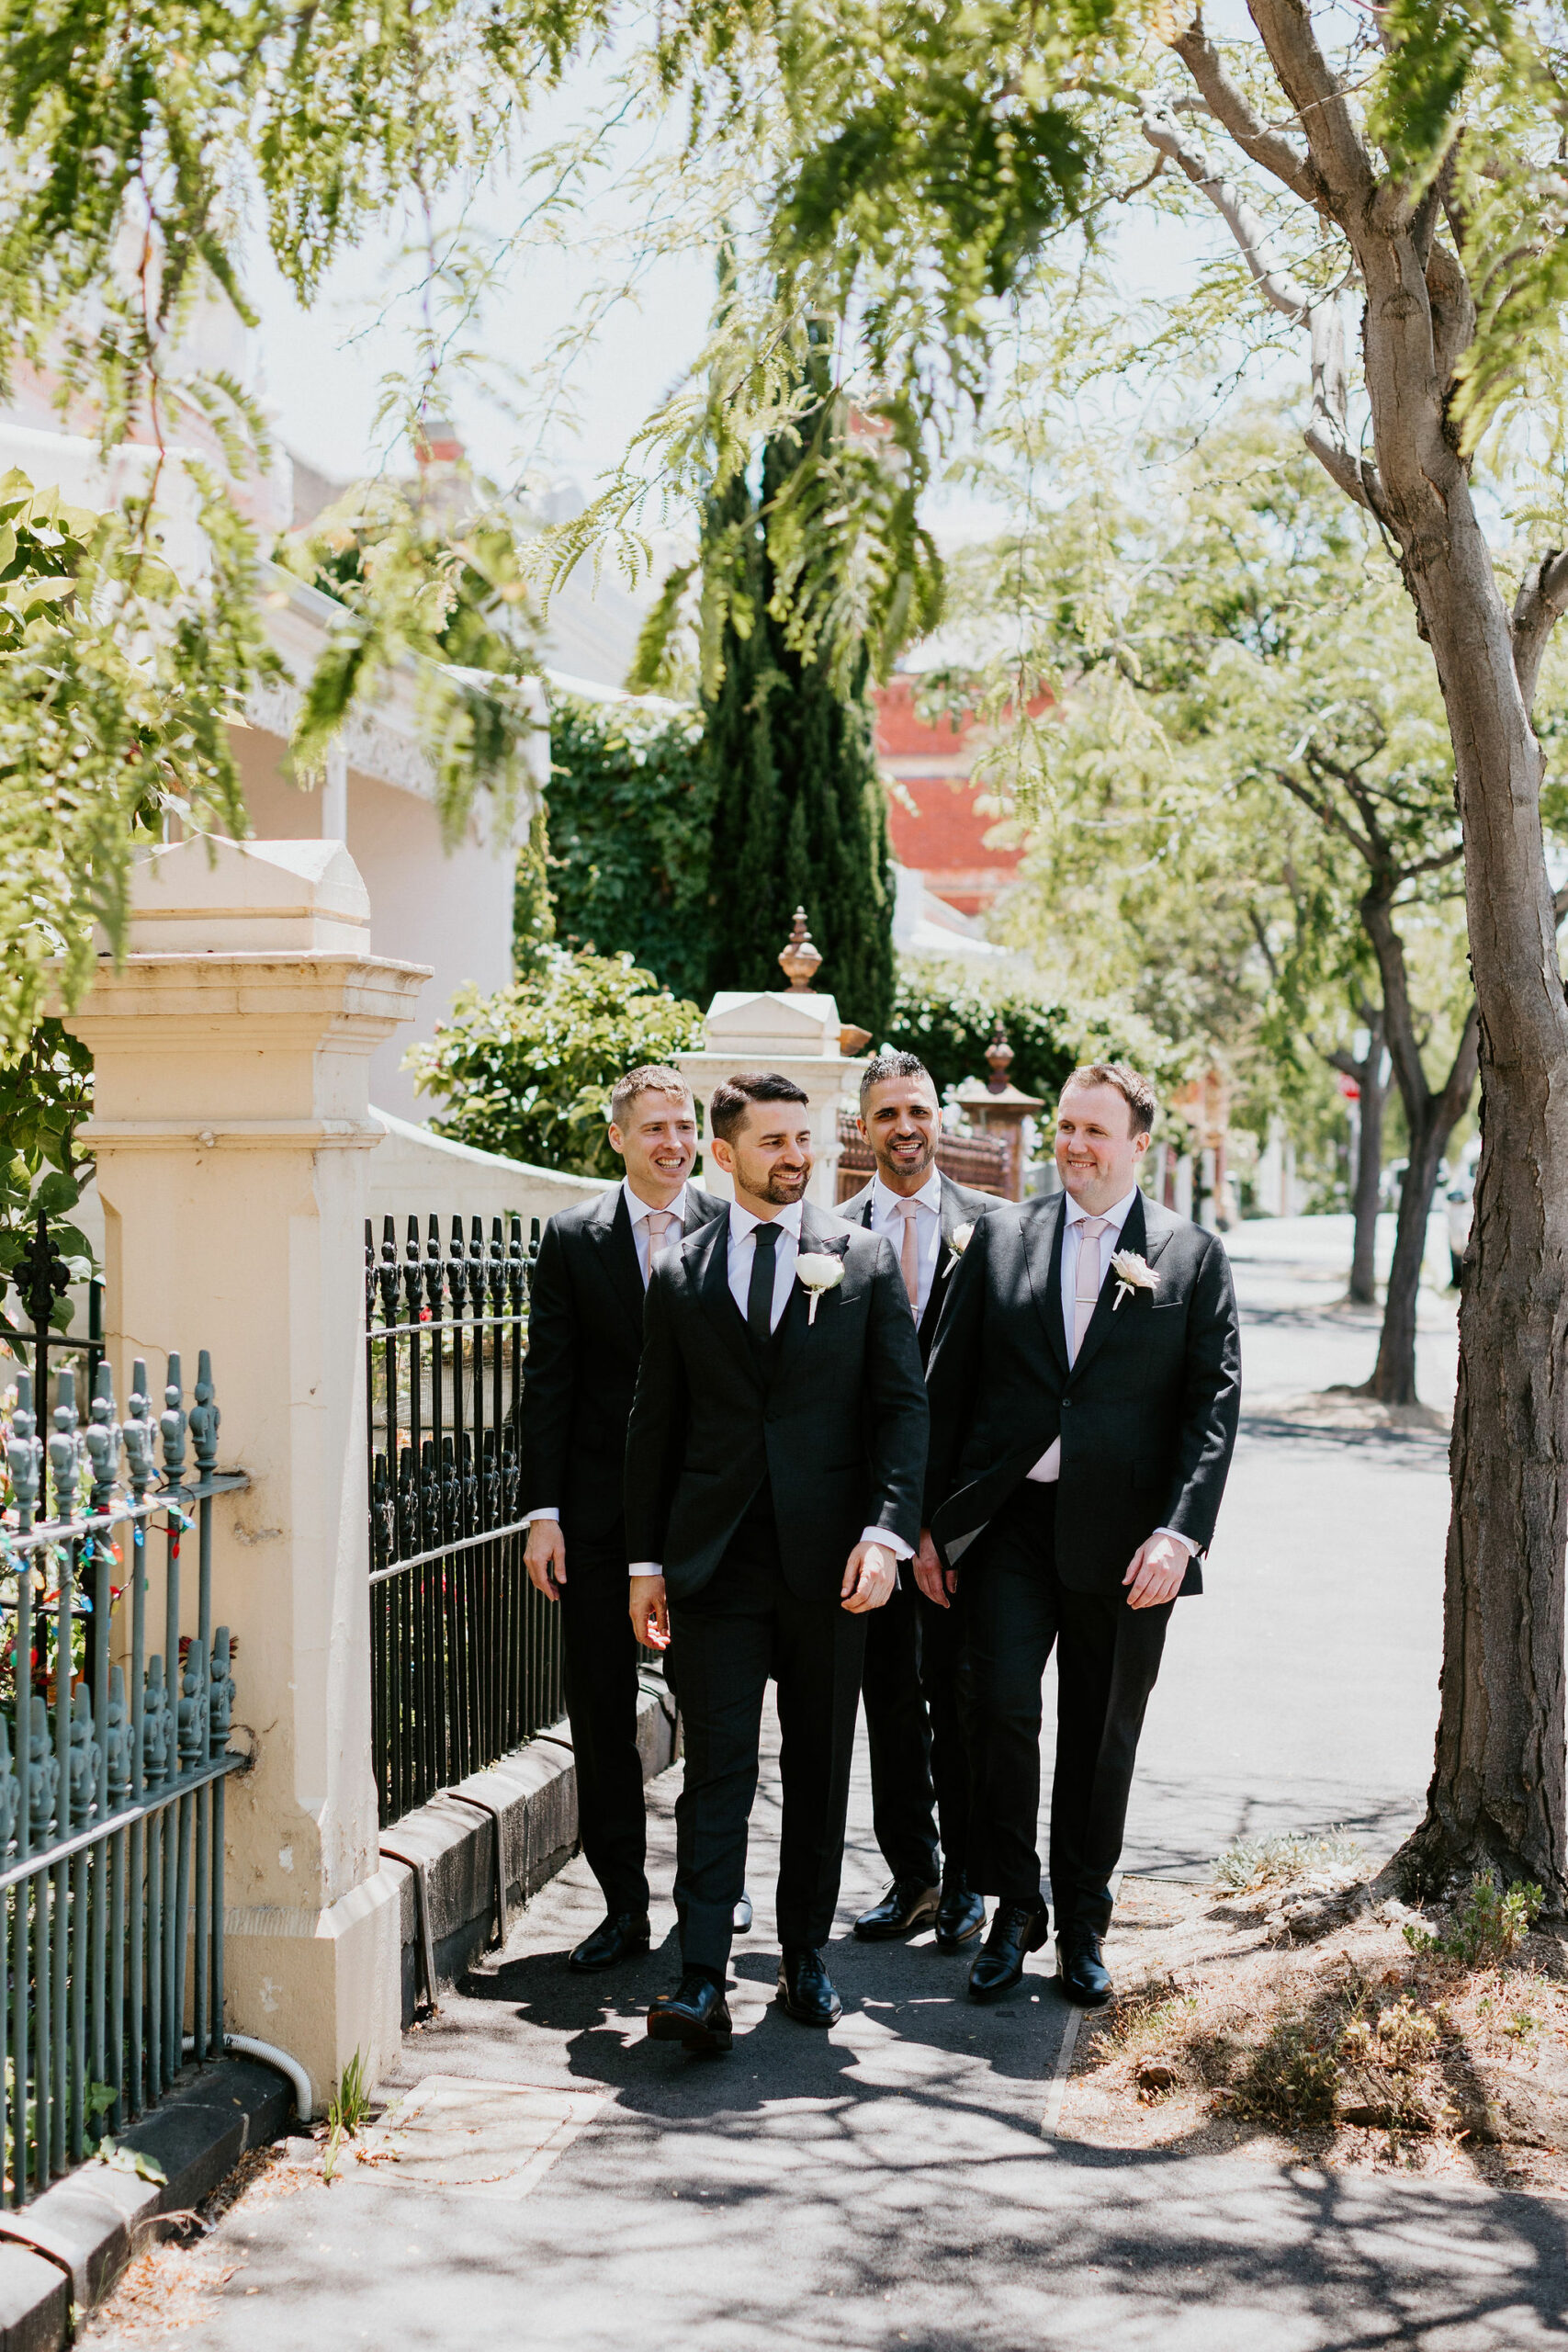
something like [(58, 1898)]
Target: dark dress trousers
[(585, 1342), (1147, 1416), (920, 1774), (751, 1471)]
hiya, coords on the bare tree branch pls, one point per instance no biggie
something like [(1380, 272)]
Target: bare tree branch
[(1339, 152), (1285, 293), (1541, 604), (1453, 312), (1232, 110), (1325, 434)]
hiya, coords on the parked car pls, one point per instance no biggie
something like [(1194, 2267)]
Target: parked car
[(1460, 1207)]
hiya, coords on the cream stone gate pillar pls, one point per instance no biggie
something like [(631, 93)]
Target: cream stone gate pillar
[(232, 1131)]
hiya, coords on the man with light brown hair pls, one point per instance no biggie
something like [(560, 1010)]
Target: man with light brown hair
[(1085, 1388), (585, 1342)]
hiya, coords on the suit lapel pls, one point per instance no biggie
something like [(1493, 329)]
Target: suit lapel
[(707, 1269), (952, 1215), (794, 1325), (1043, 1258), (1132, 1236), (612, 1229)]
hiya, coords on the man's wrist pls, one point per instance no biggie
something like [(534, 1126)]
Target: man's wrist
[(546, 1511), (647, 1569), (888, 1540), (1186, 1542)]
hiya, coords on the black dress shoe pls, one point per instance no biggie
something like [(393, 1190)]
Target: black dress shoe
[(960, 1915), (695, 2013), (909, 1904), (805, 1989), (623, 1936), (1016, 1929), (742, 1920), (1080, 1972)]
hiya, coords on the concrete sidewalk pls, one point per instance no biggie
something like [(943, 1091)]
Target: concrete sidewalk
[(889, 2183)]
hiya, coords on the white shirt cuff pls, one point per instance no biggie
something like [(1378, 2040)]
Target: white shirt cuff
[(893, 1543), (1186, 1542), (546, 1511)]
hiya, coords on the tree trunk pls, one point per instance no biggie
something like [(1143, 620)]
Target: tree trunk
[(1499, 1790), (1394, 1375), (1373, 1082)]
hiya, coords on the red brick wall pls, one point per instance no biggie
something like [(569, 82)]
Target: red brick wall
[(943, 835)]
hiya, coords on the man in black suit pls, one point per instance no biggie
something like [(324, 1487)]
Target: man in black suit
[(585, 1342), (1085, 1389), (773, 1473), (919, 1772)]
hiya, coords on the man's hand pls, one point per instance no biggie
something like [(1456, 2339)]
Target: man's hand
[(544, 1556), (869, 1578), (650, 1614), (935, 1581), (1156, 1572)]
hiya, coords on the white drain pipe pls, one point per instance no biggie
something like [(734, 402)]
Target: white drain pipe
[(245, 2045)]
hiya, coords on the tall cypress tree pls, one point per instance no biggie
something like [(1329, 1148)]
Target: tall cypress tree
[(800, 817)]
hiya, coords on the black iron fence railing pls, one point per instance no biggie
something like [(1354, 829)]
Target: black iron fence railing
[(464, 1656), (113, 1759)]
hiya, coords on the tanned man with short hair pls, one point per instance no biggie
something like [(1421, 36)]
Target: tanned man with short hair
[(920, 1774)]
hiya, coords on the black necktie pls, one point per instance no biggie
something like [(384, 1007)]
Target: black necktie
[(759, 1290)]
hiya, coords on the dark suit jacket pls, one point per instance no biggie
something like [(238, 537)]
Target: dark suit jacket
[(584, 1343), (1147, 1416), (960, 1206), (836, 1421)]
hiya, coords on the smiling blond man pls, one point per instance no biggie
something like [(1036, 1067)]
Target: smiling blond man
[(1085, 1388), (584, 1344)]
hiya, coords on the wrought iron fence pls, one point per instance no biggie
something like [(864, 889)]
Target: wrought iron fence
[(111, 1811), (465, 1654)]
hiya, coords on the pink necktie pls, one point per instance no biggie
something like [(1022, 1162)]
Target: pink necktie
[(1085, 1290), (910, 1256), (662, 1224)]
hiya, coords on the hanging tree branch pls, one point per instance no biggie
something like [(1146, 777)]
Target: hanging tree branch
[(1326, 436)]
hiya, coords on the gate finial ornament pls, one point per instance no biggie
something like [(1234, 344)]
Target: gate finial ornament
[(800, 957)]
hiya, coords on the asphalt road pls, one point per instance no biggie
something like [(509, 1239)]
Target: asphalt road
[(889, 2183)]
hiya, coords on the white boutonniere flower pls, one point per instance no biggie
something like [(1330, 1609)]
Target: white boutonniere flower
[(816, 1271), (958, 1240), (1132, 1273)]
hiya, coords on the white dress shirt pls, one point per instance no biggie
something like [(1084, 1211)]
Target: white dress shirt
[(888, 1217), (744, 1250), (1048, 1469), (639, 1211), (786, 1251)]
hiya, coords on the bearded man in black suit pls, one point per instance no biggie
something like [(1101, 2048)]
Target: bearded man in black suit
[(584, 1345), (1085, 1389), (920, 1774), (774, 1465)]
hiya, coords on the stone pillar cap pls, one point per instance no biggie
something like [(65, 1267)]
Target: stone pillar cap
[(755, 1026), (208, 896)]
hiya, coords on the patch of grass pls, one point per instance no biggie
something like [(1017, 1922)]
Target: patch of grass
[(1144, 2018), (1490, 1928), (1291, 2078), (351, 2101), (350, 2108), (1402, 2037), (1254, 1863)]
